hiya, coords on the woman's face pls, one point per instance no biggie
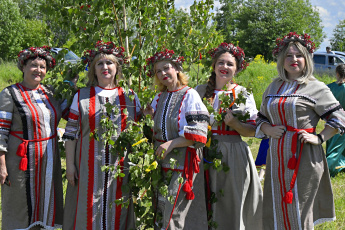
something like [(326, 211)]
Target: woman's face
[(225, 68), (34, 72), (166, 73), (105, 70), (294, 63)]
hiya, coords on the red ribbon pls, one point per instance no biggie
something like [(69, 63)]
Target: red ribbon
[(293, 163), (22, 148), (189, 171)]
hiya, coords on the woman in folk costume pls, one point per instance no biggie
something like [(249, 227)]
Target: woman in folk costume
[(91, 192), (238, 191), (335, 147), (180, 125), (30, 164), (297, 189)]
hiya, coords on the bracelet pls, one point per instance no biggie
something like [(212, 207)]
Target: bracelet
[(320, 138), (69, 82)]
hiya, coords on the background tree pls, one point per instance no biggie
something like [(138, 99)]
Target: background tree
[(338, 39), (151, 26), (258, 23), (11, 28)]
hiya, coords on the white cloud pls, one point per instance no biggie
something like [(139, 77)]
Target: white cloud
[(341, 14), (324, 14)]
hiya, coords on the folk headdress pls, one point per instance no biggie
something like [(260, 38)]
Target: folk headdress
[(106, 48), (293, 37), (165, 55), (32, 52), (236, 51)]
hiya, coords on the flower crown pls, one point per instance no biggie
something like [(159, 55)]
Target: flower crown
[(106, 48), (168, 55), (236, 51), (293, 37), (42, 52)]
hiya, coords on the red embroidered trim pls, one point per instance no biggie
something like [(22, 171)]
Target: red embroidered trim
[(36, 123), (281, 166), (176, 90), (122, 107), (159, 95), (73, 116), (195, 137), (118, 195), (92, 122)]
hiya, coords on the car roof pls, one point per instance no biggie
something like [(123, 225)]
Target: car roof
[(56, 50), (336, 53)]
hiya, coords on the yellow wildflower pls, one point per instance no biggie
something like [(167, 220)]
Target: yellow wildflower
[(208, 144), (139, 142), (260, 78), (152, 166)]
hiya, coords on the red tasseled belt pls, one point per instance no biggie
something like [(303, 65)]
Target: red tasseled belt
[(22, 148), (293, 163)]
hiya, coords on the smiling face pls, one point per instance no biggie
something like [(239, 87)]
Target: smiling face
[(294, 63), (34, 72), (225, 69), (105, 70), (167, 74)]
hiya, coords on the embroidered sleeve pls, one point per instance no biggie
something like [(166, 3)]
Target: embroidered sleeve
[(193, 119), (6, 113), (72, 127), (330, 110), (155, 102)]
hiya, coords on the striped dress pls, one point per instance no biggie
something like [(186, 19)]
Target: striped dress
[(90, 203), (181, 113), (35, 195), (297, 193), (238, 191)]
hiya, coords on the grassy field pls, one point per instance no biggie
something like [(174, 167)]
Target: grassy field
[(258, 75)]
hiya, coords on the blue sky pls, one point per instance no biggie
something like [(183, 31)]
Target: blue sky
[(331, 12)]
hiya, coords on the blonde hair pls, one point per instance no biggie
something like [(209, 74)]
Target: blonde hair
[(92, 73), (182, 79), (308, 70)]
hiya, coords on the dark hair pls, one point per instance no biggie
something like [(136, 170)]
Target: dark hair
[(32, 59), (340, 70)]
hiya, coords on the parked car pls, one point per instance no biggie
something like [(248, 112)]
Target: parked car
[(325, 63), (339, 53), (70, 57)]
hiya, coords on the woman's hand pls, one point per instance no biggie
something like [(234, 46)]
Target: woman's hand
[(273, 131), (148, 110), (3, 169), (164, 149), (230, 119), (306, 137), (71, 174)]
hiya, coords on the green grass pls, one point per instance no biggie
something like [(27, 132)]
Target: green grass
[(9, 74), (258, 75)]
